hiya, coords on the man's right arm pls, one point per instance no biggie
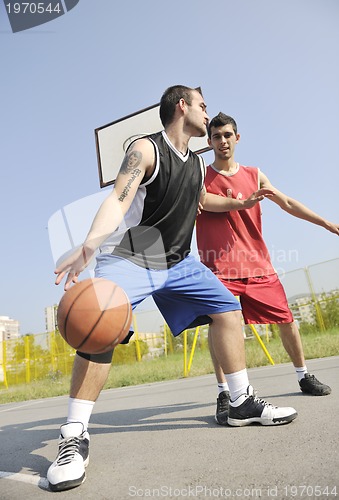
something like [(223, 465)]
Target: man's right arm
[(138, 162)]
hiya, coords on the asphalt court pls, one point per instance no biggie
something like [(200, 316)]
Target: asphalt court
[(160, 441)]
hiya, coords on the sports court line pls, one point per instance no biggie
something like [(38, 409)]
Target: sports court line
[(26, 478), (28, 403)]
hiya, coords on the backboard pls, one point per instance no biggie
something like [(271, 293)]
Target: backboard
[(113, 139)]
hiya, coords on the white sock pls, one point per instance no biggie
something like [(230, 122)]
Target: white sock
[(301, 372), (238, 383), (222, 386), (79, 410)]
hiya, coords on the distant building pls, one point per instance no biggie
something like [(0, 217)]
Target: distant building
[(303, 307), (51, 318), (9, 328)]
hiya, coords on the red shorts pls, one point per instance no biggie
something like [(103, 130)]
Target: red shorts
[(263, 299)]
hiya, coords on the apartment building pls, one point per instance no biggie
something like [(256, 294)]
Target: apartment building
[(9, 328)]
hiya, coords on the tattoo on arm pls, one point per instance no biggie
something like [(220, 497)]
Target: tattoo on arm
[(131, 162), (134, 174)]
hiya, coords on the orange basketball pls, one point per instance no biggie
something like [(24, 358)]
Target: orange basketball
[(94, 315)]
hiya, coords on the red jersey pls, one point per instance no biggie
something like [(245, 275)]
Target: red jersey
[(231, 243)]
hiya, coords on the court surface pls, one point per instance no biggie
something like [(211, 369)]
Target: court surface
[(160, 441)]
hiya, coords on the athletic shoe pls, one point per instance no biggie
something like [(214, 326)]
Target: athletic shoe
[(248, 409), (221, 415), (68, 469), (311, 385)]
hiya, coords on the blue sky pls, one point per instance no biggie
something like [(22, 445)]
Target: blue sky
[(271, 65)]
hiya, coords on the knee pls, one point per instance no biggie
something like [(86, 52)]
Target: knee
[(226, 318), (104, 358)]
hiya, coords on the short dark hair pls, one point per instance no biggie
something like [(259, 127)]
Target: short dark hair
[(220, 120), (170, 99)]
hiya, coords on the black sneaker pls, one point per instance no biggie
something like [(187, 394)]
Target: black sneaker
[(248, 409), (221, 415), (311, 385), (68, 469)]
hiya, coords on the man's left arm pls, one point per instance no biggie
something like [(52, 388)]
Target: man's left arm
[(295, 208), (216, 203)]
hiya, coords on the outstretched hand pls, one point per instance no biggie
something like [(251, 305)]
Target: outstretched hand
[(73, 264), (333, 228), (257, 196)]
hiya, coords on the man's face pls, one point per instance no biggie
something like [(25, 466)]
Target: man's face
[(223, 141), (196, 116)]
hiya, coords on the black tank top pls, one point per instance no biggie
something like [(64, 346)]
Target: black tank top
[(165, 209)]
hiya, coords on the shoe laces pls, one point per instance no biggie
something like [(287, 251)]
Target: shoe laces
[(67, 449), (262, 402)]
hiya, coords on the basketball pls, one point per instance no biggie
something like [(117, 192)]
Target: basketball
[(94, 315)]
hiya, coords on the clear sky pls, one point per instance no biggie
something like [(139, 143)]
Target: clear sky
[(271, 65)]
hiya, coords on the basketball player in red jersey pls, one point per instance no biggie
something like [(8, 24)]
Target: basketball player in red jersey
[(231, 244)]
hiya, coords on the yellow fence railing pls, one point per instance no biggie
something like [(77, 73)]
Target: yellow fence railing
[(47, 355)]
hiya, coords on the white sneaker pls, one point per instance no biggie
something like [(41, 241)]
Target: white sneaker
[(68, 469), (248, 409)]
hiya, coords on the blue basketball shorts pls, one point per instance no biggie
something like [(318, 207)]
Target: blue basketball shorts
[(186, 294)]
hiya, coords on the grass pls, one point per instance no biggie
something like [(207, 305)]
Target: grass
[(317, 345)]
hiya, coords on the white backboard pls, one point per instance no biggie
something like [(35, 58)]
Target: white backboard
[(113, 139)]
